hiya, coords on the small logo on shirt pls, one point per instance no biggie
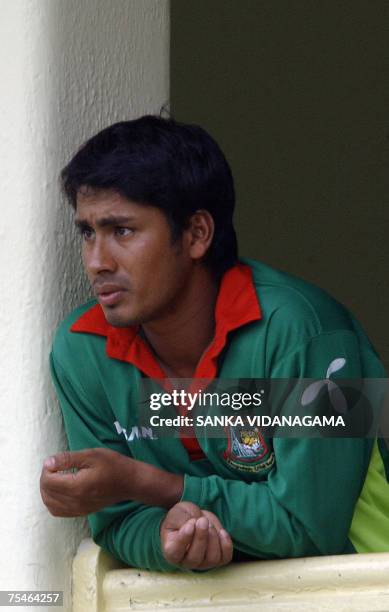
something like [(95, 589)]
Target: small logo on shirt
[(247, 449), (337, 399), (136, 432)]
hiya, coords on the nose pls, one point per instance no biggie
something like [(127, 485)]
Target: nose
[(97, 257)]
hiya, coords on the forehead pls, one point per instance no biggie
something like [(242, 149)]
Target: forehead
[(104, 200), (106, 207)]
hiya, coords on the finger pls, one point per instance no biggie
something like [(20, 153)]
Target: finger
[(72, 504), (57, 482), (58, 507), (177, 542), (213, 519), (197, 550), (213, 554), (68, 460), (63, 511), (66, 505), (226, 546), (191, 509), (58, 497), (180, 514)]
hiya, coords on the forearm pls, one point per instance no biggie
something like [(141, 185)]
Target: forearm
[(267, 530), (149, 485), (131, 533), (304, 509)]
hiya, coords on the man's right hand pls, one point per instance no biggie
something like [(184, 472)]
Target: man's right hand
[(194, 539)]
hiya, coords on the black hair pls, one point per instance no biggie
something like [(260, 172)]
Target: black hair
[(173, 166)]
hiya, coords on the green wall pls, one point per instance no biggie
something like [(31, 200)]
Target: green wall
[(297, 95)]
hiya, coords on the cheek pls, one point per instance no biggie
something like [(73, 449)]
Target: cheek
[(140, 256), (160, 278), (85, 260), (153, 252), (154, 256)]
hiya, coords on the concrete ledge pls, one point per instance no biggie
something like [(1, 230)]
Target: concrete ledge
[(349, 582), (91, 566)]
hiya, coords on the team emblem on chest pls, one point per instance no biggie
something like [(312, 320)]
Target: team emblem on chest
[(247, 449)]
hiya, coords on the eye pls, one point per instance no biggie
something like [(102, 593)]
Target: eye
[(123, 231), (86, 232)]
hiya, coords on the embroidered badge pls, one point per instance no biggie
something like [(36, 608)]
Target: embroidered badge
[(247, 449)]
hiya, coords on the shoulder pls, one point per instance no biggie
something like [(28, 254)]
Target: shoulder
[(78, 361), (297, 301), (69, 345), (302, 320)]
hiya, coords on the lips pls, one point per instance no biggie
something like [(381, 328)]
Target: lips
[(109, 294)]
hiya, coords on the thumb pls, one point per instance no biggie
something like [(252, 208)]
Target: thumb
[(66, 460), (180, 513)]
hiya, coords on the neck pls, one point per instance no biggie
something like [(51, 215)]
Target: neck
[(180, 339)]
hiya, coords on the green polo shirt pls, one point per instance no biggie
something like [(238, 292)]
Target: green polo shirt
[(295, 497)]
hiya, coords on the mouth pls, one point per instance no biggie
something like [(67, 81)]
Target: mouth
[(110, 298), (109, 294)]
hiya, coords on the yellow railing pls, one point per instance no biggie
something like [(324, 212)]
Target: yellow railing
[(349, 582)]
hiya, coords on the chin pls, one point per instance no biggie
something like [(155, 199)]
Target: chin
[(119, 319)]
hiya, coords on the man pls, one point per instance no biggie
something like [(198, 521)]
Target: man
[(154, 201)]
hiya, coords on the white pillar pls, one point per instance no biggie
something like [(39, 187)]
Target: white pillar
[(68, 68)]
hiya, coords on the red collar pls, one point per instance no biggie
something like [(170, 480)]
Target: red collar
[(237, 304)]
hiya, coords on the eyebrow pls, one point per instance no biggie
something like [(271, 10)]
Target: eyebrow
[(104, 221)]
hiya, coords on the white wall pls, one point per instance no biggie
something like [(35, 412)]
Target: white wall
[(67, 69)]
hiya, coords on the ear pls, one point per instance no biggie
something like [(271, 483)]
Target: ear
[(200, 232)]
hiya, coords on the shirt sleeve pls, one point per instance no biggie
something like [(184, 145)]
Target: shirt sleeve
[(128, 530), (306, 505)]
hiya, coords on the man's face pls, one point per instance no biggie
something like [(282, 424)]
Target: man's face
[(136, 272)]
